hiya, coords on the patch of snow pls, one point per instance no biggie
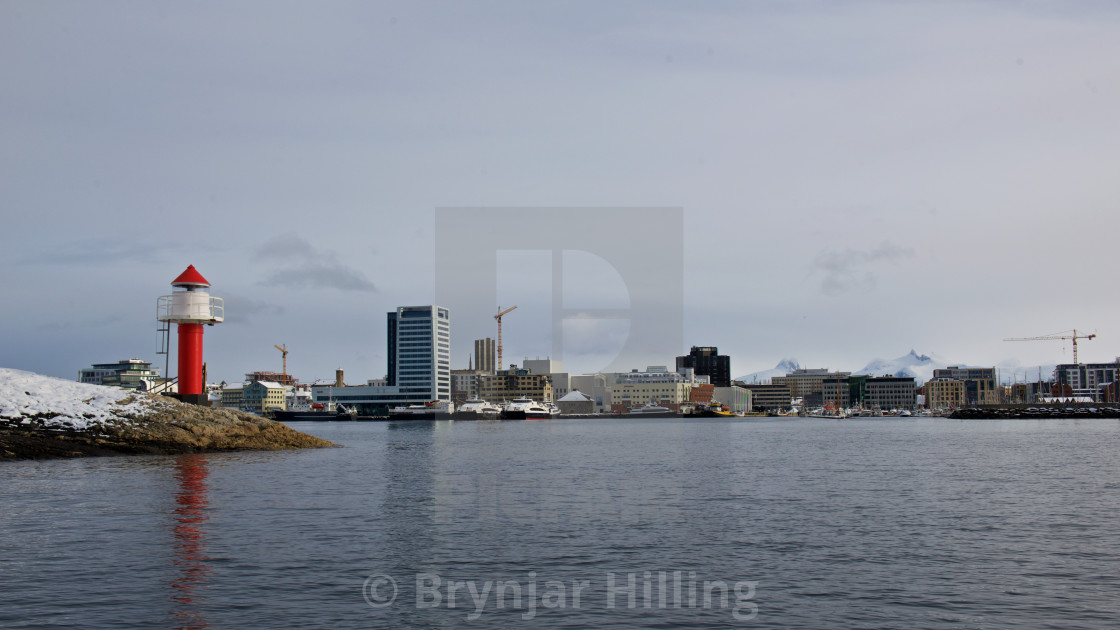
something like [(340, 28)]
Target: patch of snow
[(58, 403)]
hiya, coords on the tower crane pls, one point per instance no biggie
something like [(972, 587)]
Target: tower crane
[(1074, 336), (499, 318), (284, 352)]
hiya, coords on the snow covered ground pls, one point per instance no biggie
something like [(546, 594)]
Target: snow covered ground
[(26, 397)]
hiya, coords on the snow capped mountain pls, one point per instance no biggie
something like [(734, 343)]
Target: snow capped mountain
[(785, 366), (920, 366)]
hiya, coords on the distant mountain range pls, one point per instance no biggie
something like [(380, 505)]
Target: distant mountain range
[(920, 366)]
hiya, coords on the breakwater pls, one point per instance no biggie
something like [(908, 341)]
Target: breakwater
[(1038, 410)]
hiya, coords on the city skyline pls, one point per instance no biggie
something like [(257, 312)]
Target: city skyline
[(854, 181)]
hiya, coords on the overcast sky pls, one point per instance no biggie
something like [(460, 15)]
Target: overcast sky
[(856, 179)]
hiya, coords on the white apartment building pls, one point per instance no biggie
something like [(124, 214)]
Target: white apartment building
[(419, 363)]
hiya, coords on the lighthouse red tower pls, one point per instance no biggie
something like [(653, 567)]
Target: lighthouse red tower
[(190, 306)]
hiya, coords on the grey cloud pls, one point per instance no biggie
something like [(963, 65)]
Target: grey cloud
[(319, 275), (285, 246), (243, 309), (853, 269), (310, 266)]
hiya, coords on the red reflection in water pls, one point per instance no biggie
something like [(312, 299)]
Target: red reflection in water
[(190, 540)]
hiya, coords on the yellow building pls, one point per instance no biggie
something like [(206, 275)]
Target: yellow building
[(511, 384), (944, 393), (625, 396), (259, 397)]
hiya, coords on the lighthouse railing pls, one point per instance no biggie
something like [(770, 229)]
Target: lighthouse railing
[(187, 307)]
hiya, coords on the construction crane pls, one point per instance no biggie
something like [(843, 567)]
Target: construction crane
[(499, 318), (1074, 336), (284, 352)]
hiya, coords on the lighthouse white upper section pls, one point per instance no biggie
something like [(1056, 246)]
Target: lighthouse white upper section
[(191, 303)]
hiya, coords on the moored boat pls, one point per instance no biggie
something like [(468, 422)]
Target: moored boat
[(525, 408), (477, 409), (650, 411), (434, 410), (317, 413)]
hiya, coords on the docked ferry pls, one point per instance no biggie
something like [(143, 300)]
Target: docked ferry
[(477, 409), (434, 410), (527, 409)]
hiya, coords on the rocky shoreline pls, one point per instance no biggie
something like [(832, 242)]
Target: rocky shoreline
[(174, 429), (43, 417)]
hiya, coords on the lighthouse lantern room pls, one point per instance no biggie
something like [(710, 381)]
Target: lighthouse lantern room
[(190, 306)]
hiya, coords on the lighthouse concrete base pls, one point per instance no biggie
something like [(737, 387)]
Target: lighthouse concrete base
[(194, 399)]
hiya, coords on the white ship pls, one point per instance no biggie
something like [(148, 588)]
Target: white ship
[(528, 409), (477, 409)]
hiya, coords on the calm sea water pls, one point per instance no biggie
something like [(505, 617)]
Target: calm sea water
[(866, 523)]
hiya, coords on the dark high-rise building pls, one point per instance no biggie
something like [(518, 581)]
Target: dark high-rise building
[(706, 360)]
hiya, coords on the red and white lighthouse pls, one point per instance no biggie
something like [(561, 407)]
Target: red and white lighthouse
[(190, 306)]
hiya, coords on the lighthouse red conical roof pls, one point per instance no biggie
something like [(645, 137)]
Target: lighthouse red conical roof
[(190, 278)]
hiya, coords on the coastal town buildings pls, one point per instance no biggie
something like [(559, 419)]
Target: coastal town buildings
[(262, 397), (769, 397), (484, 355), (576, 402), (979, 383), (231, 396), (869, 392), (595, 386), (944, 393), (514, 383), (127, 373), (628, 395), (554, 370), (1087, 379), (655, 386), (418, 340), (808, 383), (707, 361), (259, 397), (736, 399), (890, 392), (272, 377), (835, 393), (464, 385)]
